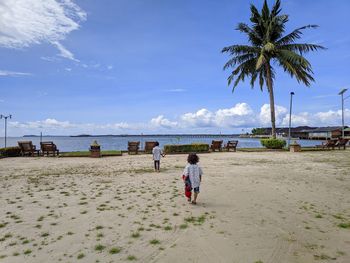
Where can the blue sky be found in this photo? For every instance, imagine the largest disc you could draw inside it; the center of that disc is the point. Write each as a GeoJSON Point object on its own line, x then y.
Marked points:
{"type": "Point", "coordinates": [114, 66]}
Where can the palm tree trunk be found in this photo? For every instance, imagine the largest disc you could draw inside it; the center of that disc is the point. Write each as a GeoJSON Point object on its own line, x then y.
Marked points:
{"type": "Point", "coordinates": [272, 99]}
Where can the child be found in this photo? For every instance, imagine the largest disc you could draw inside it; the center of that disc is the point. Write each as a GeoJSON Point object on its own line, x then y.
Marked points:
{"type": "Point", "coordinates": [192, 177]}
{"type": "Point", "coordinates": [157, 153]}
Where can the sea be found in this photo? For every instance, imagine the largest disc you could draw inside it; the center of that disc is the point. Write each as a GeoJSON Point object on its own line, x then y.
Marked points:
{"type": "Point", "coordinates": [69, 144]}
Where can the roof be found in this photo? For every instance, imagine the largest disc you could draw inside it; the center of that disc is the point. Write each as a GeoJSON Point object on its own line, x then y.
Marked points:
{"type": "Point", "coordinates": [325, 129]}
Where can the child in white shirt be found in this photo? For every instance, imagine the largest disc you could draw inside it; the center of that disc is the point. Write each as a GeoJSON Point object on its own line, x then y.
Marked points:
{"type": "Point", "coordinates": [193, 173]}
{"type": "Point", "coordinates": [157, 153]}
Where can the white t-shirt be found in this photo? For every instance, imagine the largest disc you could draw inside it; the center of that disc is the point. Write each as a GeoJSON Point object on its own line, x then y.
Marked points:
{"type": "Point", "coordinates": [157, 152]}
{"type": "Point", "coordinates": [194, 172]}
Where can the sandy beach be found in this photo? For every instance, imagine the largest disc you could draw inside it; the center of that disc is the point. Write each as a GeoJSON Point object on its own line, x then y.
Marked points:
{"type": "Point", "coordinates": [253, 207]}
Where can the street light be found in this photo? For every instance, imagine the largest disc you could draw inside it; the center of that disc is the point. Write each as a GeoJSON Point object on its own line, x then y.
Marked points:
{"type": "Point", "coordinates": [290, 116]}
{"type": "Point", "coordinates": [341, 93]}
{"type": "Point", "coordinates": [5, 117]}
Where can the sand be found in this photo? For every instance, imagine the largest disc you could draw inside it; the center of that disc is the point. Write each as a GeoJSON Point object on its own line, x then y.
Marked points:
{"type": "Point", "coordinates": [253, 207]}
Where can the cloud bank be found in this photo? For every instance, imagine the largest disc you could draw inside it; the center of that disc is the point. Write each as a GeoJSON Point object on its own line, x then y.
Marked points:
{"type": "Point", "coordinates": [240, 116]}
{"type": "Point", "coordinates": [24, 23]}
{"type": "Point", "coordinates": [13, 73]}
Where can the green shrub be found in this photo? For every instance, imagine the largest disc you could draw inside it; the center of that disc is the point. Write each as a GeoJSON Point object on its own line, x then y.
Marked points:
{"type": "Point", "coordinates": [186, 148]}
{"type": "Point", "coordinates": [10, 151]}
{"type": "Point", "coordinates": [273, 143]}
{"type": "Point", "coordinates": [87, 153]}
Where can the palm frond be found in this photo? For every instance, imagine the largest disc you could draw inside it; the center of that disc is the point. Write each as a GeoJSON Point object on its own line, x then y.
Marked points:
{"type": "Point", "coordinates": [253, 37]}
{"type": "Point", "coordinates": [293, 57]}
{"type": "Point", "coordinates": [302, 48]}
{"type": "Point", "coordinates": [238, 60]}
{"type": "Point", "coordinates": [294, 35]}
{"type": "Point", "coordinates": [240, 50]}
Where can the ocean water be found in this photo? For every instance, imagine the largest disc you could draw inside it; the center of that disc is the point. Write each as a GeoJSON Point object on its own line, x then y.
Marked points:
{"type": "Point", "coordinates": [67, 144]}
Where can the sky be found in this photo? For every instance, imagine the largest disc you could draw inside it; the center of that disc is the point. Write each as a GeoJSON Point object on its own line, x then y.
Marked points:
{"type": "Point", "coordinates": [73, 67]}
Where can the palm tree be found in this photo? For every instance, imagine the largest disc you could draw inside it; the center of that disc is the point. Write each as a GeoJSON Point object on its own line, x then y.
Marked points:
{"type": "Point", "coordinates": [268, 44]}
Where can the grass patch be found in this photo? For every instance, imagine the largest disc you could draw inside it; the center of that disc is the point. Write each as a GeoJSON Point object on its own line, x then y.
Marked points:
{"type": "Point", "coordinates": [135, 235]}
{"type": "Point", "coordinates": [131, 258]}
{"type": "Point", "coordinates": [183, 226]}
{"type": "Point", "coordinates": [323, 257]}
{"type": "Point", "coordinates": [80, 256]}
{"type": "Point", "coordinates": [27, 252]}
{"type": "Point", "coordinates": [344, 225]}
{"type": "Point", "coordinates": [195, 220]}
{"type": "Point", "coordinates": [154, 242]}
{"type": "Point", "coordinates": [114, 250]}
{"type": "Point", "coordinates": [99, 247]}
{"type": "Point", "coordinates": [318, 216]}
{"type": "Point", "coordinates": [168, 228]}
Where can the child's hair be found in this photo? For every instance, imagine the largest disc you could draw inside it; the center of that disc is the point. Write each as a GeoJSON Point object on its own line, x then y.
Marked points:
{"type": "Point", "coordinates": [156, 144]}
{"type": "Point", "coordinates": [192, 158]}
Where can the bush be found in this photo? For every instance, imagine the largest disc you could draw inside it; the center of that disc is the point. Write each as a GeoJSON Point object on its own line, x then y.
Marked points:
{"type": "Point", "coordinates": [10, 151]}
{"type": "Point", "coordinates": [87, 154]}
{"type": "Point", "coordinates": [186, 148]}
{"type": "Point", "coordinates": [273, 143]}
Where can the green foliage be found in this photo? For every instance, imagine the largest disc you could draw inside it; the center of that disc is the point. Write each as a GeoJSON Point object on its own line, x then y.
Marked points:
{"type": "Point", "coordinates": [258, 131]}
{"type": "Point", "coordinates": [87, 154]}
{"type": "Point", "coordinates": [186, 148]}
{"type": "Point", "coordinates": [10, 151]}
{"type": "Point", "coordinates": [273, 143]}
{"type": "Point", "coordinates": [269, 45]}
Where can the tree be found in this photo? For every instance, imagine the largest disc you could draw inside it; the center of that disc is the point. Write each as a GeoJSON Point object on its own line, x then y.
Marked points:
{"type": "Point", "coordinates": [258, 131]}
{"type": "Point", "coordinates": [269, 44]}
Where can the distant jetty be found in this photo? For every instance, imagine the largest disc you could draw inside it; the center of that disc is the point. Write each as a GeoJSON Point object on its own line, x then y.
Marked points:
{"type": "Point", "coordinates": [162, 135]}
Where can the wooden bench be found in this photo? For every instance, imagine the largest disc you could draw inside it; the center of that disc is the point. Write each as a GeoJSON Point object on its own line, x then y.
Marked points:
{"type": "Point", "coordinates": [231, 145]}
{"type": "Point", "coordinates": [216, 145]}
{"type": "Point", "coordinates": [149, 146]}
{"type": "Point", "coordinates": [133, 147]}
{"type": "Point", "coordinates": [27, 148]}
{"type": "Point", "coordinates": [49, 148]}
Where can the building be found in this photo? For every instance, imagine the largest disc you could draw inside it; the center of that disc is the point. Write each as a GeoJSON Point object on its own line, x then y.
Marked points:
{"type": "Point", "coordinates": [323, 133]}
{"type": "Point", "coordinates": [296, 132]}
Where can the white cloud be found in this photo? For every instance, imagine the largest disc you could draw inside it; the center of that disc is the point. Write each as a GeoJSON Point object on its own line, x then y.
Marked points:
{"type": "Point", "coordinates": [265, 114]}
{"type": "Point", "coordinates": [24, 23]}
{"type": "Point", "coordinates": [13, 73]}
{"type": "Point", "coordinates": [239, 116]}
{"type": "Point", "coordinates": [162, 122]}
{"type": "Point", "coordinates": [109, 67]}
{"type": "Point", "coordinates": [65, 53]}
{"type": "Point", "coordinates": [45, 124]}
{"type": "Point", "coordinates": [201, 118]}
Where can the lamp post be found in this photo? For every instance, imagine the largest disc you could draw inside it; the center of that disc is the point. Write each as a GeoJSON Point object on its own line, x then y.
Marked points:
{"type": "Point", "coordinates": [5, 117]}
{"type": "Point", "coordinates": [290, 116]}
{"type": "Point", "coordinates": [341, 93]}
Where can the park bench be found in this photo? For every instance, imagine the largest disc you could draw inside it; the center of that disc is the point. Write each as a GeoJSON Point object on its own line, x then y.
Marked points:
{"type": "Point", "coordinates": [149, 146]}
{"type": "Point", "coordinates": [133, 147]}
{"type": "Point", "coordinates": [27, 148]}
{"type": "Point", "coordinates": [216, 146]}
{"type": "Point", "coordinates": [231, 145]}
{"type": "Point", "coordinates": [49, 148]}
